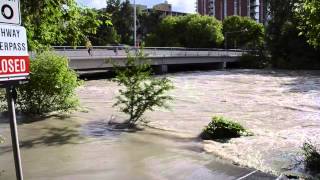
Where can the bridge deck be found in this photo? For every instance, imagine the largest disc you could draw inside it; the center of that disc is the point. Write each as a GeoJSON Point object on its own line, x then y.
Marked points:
{"type": "Point", "coordinates": [100, 58]}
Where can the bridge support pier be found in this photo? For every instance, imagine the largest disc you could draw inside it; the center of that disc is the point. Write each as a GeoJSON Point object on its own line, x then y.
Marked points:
{"type": "Point", "coordinates": [162, 69]}
{"type": "Point", "coordinates": [223, 65]}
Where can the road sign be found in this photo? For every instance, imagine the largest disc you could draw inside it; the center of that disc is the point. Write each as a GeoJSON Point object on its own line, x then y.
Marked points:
{"type": "Point", "coordinates": [10, 12]}
{"type": "Point", "coordinates": [14, 57]}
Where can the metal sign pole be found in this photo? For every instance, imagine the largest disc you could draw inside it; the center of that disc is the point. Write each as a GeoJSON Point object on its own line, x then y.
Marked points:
{"type": "Point", "coordinates": [11, 93]}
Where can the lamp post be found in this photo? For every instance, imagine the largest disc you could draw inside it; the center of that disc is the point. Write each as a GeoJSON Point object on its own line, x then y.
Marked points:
{"type": "Point", "coordinates": [135, 23]}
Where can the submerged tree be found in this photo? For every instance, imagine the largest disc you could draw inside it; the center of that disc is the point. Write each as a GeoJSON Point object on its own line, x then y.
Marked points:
{"type": "Point", "coordinates": [140, 91]}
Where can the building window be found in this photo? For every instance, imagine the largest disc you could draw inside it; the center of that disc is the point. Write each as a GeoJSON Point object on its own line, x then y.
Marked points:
{"type": "Point", "coordinates": [212, 8]}
{"type": "Point", "coordinates": [225, 8]}
{"type": "Point", "coordinates": [235, 4]}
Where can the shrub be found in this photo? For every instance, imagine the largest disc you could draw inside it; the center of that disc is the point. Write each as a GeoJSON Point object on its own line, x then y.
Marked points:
{"type": "Point", "coordinates": [311, 157]}
{"type": "Point", "coordinates": [51, 87]}
{"type": "Point", "coordinates": [243, 32]}
{"type": "Point", "coordinates": [222, 128]}
{"type": "Point", "coordinates": [141, 91]}
{"type": "Point", "coordinates": [1, 139]}
{"type": "Point", "coordinates": [192, 31]}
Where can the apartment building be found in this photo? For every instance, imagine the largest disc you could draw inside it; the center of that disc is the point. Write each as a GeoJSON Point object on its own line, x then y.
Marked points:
{"type": "Point", "coordinates": [256, 9]}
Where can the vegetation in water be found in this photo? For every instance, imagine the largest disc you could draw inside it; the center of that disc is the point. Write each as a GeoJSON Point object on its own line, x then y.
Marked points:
{"type": "Point", "coordinates": [311, 158]}
{"type": "Point", "coordinates": [222, 128]}
{"type": "Point", "coordinates": [140, 90]}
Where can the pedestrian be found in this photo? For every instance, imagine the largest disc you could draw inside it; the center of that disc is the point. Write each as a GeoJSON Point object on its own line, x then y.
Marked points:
{"type": "Point", "coordinates": [116, 51]}
{"type": "Point", "coordinates": [89, 47]}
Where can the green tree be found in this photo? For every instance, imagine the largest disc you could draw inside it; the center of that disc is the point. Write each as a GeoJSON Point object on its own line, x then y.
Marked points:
{"type": "Point", "coordinates": [148, 22]}
{"type": "Point", "coordinates": [122, 19]}
{"type": "Point", "coordinates": [287, 48]}
{"type": "Point", "coordinates": [140, 91]}
{"type": "Point", "coordinates": [188, 31]}
{"type": "Point", "coordinates": [166, 34]}
{"type": "Point", "coordinates": [51, 87]}
{"type": "Point", "coordinates": [57, 22]}
{"type": "Point", "coordinates": [308, 13]}
{"type": "Point", "coordinates": [106, 32]}
{"type": "Point", "coordinates": [81, 24]}
{"type": "Point", "coordinates": [203, 32]}
{"type": "Point", "coordinates": [243, 32]}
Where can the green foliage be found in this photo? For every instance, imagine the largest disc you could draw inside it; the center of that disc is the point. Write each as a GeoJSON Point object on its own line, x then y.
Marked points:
{"type": "Point", "coordinates": [81, 23]}
{"type": "Point", "coordinates": [106, 32]}
{"type": "Point", "coordinates": [311, 157]}
{"type": "Point", "coordinates": [222, 128]}
{"type": "Point", "coordinates": [122, 19]}
{"type": "Point", "coordinates": [188, 31]}
{"type": "Point", "coordinates": [243, 32]}
{"type": "Point", "coordinates": [51, 87]}
{"type": "Point", "coordinates": [140, 91]}
{"type": "Point", "coordinates": [148, 22]}
{"type": "Point", "coordinates": [203, 32]}
{"type": "Point", "coordinates": [308, 13]}
{"type": "Point", "coordinates": [57, 22]}
{"type": "Point", "coordinates": [287, 48]}
{"type": "Point", "coordinates": [1, 139]}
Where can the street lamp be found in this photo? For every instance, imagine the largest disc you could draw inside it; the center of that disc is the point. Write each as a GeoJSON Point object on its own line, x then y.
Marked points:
{"type": "Point", "coordinates": [231, 32]}
{"type": "Point", "coordinates": [135, 23]}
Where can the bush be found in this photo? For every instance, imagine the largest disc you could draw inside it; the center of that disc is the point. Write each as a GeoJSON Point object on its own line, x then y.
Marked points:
{"type": "Point", "coordinates": [51, 87]}
{"type": "Point", "coordinates": [243, 32]}
{"type": "Point", "coordinates": [222, 128]}
{"type": "Point", "coordinates": [1, 139]}
{"type": "Point", "coordinates": [311, 157]}
{"type": "Point", "coordinates": [192, 31]}
{"type": "Point", "coordinates": [141, 91]}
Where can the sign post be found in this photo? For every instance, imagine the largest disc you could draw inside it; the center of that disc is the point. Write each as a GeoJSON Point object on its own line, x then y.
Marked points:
{"type": "Point", "coordinates": [14, 65]}
{"type": "Point", "coordinates": [11, 93]}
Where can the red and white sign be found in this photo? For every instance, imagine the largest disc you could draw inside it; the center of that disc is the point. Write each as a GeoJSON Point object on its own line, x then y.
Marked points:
{"type": "Point", "coordinates": [14, 57]}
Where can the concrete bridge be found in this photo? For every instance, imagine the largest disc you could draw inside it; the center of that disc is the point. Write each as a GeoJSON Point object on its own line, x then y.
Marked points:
{"type": "Point", "coordinates": [161, 58]}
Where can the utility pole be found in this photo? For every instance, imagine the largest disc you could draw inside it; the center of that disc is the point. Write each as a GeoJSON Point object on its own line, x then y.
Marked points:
{"type": "Point", "coordinates": [135, 23]}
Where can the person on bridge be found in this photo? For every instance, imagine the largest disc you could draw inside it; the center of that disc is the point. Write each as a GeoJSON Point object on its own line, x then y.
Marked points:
{"type": "Point", "coordinates": [89, 47]}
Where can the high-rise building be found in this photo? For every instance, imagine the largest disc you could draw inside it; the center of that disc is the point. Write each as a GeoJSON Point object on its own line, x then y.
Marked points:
{"type": "Point", "coordinates": [163, 7]}
{"type": "Point", "coordinates": [256, 9]}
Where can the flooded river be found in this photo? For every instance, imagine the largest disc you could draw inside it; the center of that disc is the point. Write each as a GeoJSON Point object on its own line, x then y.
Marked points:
{"type": "Point", "coordinates": [280, 107]}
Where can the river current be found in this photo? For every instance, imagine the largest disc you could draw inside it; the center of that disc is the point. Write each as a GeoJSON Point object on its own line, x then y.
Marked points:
{"type": "Point", "coordinates": [281, 108]}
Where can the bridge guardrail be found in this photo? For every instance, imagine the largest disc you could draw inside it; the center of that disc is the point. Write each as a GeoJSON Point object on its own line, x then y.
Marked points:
{"type": "Point", "coordinates": [120, 51]}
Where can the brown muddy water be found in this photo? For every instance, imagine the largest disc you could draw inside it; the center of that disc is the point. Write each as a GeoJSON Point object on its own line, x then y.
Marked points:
{"type": "Point", "coordinates": [280, 107]}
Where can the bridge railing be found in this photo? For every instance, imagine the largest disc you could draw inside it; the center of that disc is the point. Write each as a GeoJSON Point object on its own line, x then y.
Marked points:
{"type": "Point", "coordinates": [121, 51]}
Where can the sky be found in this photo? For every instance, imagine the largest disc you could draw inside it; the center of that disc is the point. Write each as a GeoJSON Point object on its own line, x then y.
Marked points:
{"type": "Point", "coordinates": [177, 5]}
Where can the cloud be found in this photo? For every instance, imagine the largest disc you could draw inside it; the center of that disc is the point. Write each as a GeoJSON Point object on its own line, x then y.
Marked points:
{"type": "Point", "coordinates": [93, 3]}
{"type": "Point", "coordinates": [183, 5]}
{"type": "Point", "coordinates": [178, 5]}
